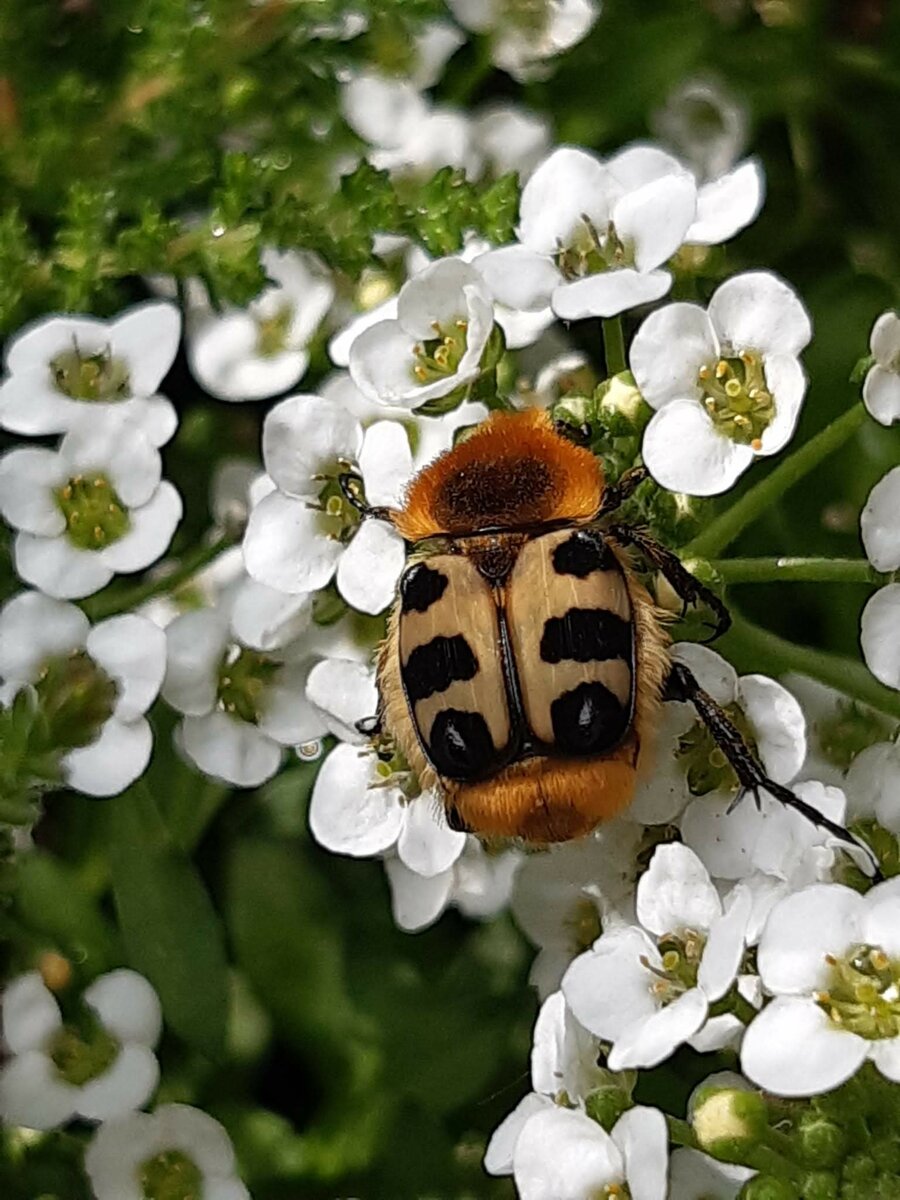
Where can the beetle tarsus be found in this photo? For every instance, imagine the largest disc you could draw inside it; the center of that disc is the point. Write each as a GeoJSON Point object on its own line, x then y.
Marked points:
{"type": "Point", "coordinates": [615, 494]}
{"type": "Point", "coordinates": [351, 485]}
{"type": "Point", "coordinates": [682, 685]}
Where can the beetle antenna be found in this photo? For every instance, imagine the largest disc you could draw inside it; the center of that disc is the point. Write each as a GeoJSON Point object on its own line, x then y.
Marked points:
{"type": "Point", "coordinates": [351, 485]}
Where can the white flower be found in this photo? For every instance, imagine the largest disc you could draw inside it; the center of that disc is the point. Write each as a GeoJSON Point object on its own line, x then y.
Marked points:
{"type": "Point", "coordinates": [99, 1069]}
{"type": "Point", "coordinates": [95, 507]}
{"type": "Point", "coordinates": [873, 785]}
{"type": "Point", "coordinates": [175, 1150]}
{"type": "Point", "coordinates": [242, 705]}
{"type": "Point", "coordinates": [880, 523]}
{"type": "Point", "coordinates": [408, 135]}
{"type": "Point", "coordinates": [64, 369]}
{"type": "Point", "coordinates": [688, 762]}
{"type": "Point", "coordinates": [881, 387]}
{"type": "Point", "coordinates": [831, 959]}
{"type": "Point", "coordinates": [478, 883]}
{"type": "Point", "coordinates": [704, 125]}
{"type": "Point", "coordinates": [561, 896]}
{"type": "Point", "coordinates": [306, 532]}
{"type": "Point", "coordinates": [257, 352]}
{"type": "Point", "coordinates": [561, 1154]}
{"type": "Point", "coordinates": [593, 235]}
{"type": "Point", "coordinates": [522, 42]}
{"type": "Point", "coordinates": [435, 346]}
{"type": "Point", "coordinates": [433, 45]}
{"type": "Point", "coordinates": [647, 1000]}
{"type": "Point", "coordinates": [110, 675]}
{"type": "Point", "coordinates": [880, 635]}
{"type": "Point", "coordinates": [512, 138]}
{"type": "Point", "coordinates": [726, 383]}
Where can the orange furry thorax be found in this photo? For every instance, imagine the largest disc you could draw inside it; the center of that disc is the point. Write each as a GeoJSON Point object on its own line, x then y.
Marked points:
{"type": "Point", "coordinates": [513, 470]}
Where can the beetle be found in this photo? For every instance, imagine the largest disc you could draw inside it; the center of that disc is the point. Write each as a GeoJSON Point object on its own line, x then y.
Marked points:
{"type": "Point", "coordinates": [525, 664]}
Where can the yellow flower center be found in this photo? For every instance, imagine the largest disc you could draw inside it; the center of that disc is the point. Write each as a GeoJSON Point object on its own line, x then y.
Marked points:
{"type": "Point", "coordinates": [171, 1175]}
{"type": "Point", "coordinates": [704, 763]}
{"type": "Point", "coordinates": [590, 252]}
{"type": "Point", "coordinates": [736, 395]}
{"type": "Point", "coordinates": [681, 954]}
{"type": "Point", "coordinates": [76, 698]}
{"type": "Point", "coordinates": [863, 993]}
{"type": "Point", "coordinates": [272, 331]}
{"type": "Point", "coordinates": [439, 357]}
{"type": "Point", "coordinates": [95, 516]}
{"type": "Point", "coordinates": [85, 1053]}
{"type": "Point", "coordinates": [243, 677]}
{"type": "Point", "coordinates": [96, 376]}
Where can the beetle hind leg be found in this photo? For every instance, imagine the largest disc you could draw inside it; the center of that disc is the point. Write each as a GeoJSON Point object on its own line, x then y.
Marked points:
{"type": "Point", "coordinates": [682, 685]}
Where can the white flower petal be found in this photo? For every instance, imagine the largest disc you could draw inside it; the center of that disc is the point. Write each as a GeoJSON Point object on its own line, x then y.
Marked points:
{"type": "Point", "coordinates": [669, 349]}
{"type": "Point", "coordinates": [31, 405]}
{"type": "Point", "coordinates": [198, 1135]}
{"type": "Point", "coordinates": [881, 920]}
{"type": "Point", "coordinates": [562, 1154]}
{"type": "Point", "coordinates": [728, 204]}
{"type": "Point", "coordinates": [288, 717]}
{"type": "Point", "coordinates": [684, 452]}
{"type": "Point", "coordinates": [146, 337]}
{"type": "Point", "coordinates": [675, 893]}
{"type": "Point", "coordinates": [132, 650]}
{"type": "Point", "coordinates": [787, 383]}
{"type": "Point", "coordinates": [567, 186]}
{"type": "Point", "coordinates": [339, 346]}
{"type": "Point", "coordinates": [127, 1084]}
{"type": "Point", "coordinates": [498, 1158]}
{"type": "Point", "coordinates": [369, 568]}
{"type": "Point", "coordinates": [881, 394]}
{"type": "Point", "coordinates": [33, 1095]}
{"type": "Point", "coordinates": [305, 436]}
{"type": "Point", "coordinates": [58, 568]}
{"type": "Point", "coordinates": [152, 528]}
{"type": "Point", "coordinates": [285, 547]}
{"type": "Point", "coordinates": [34, 628]}
{"type": "Point", "coordinates": [416, 900]}
{"type": "Point", "coordinates": [224, 747]}
{"type": "Point", "coordinates": [696, 1176]}
{"type": "Point", "coordinates": [28, 479]}
{"type": "Point", "coordinates": [649, 1042]}
{"type": "Point", "coordinates": [382, 111]}
{"type": "Point", "coordinates": [30, 1013]}
{"type": "Point", "coordinates": [519, 277]}
{"type": "Point", "coordinates": [884, 340]}
{"type": "Point", "coordinates": [385, 462]}
{"type": "Point", "coordinates": [802, 930]}
{"type": "Point", "coordinates": [344, 692]}
{"type": "Point", "coordinates": [117, 449]}
{"type": "Point", "coordinates": [641, 163]}
{"type": "Point", "coordinates": [718, 1033]}
{"type": "Point", "coordinates": [793, 1049]}
{"type": "Point", "coordinates": [642, 1136]}
{"type": "Point", "coordinates": [778, 724]}
{"type": "Point", "coordinates": [724, 947]}
{"type": "Point", "coordinates": [880, 634]}
{"type": "Point", "coordinates": [347, 814]}
{"type": "Point", "coordinates": [607, 987]}
{"type": "Point", "coordinates": [113, 762]}
{"type": "Point", "coordinates": [40, 342]}
{"type": "Point", "coordinates": [437, 294]}
{"type": "Point", "coordinates": [886, 1057]}
{"type": "Point", "coordinates": [758, 311]}
{"type": "Point", "coordinates": [128, 1006]}
{"type": "Point", "coordinates": [655, 217]}
{"type": "Point", "coordinates": [609, 293]}
{"type": "Point", "coordinates": [382, 358]}
{"type": "Point", "coordinates": [880, 523]}
{"type": "Point", "coordinates": [714, 673]}
{"type": "Point", "coordinates": [266, 619]}
{"type": "Point", "coordinates": [196, 644]}
{"type": "Point", "coordinates": [427, 845]}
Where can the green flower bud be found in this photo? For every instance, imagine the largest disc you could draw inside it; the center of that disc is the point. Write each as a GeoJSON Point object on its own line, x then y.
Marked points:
{"type": "Point", "coordinates": [726, 1121]}
{"type": "Point", "coordinates": [767, 1187]}
{"type": "Point", "coordinates": [860, 1171]}
{"type": "Point", "coordinates": [820, 1185]}
{"type": "Point", "coordinates": [886, 1153]}
{"type": "Point", "coordinates": [606, 1105]}
{"type": "Point", "coordinates": [621, 404]}
{"type": "Point", "coordinates": [820, 1143]}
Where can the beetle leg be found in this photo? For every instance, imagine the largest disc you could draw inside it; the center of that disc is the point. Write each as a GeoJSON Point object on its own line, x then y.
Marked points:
{"type": "Point", "coordinates": [369, 727]}
{"type": "Point", "coordinates": [615, 494]}
{"type": "Point", "coordinates": [687, 587]}
{"type": "Point", "coordinates": [351, 485]}
{"type": "Point", "coordinates": [682, 685]}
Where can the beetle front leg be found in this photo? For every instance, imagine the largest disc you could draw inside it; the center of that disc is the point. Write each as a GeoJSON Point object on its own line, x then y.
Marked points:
{"type": "Point", "coordinates": [689, 589]}
{"type": "Point", "coordinates": [682, 685]}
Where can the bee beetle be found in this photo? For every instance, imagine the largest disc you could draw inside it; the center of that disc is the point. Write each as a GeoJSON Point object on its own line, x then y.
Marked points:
{"type": "Point", "coordinates": [525, 663]}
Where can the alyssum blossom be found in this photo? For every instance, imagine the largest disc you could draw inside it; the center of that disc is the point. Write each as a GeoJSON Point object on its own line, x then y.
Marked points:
{"type": "Point", "coordinates": [175, 1151]}
{"type": "Point", "coordinates": [98, 1066]}
{"type": "Point", "coordinates": [880, 631]}
{"type": "Point", "coordinates": [63, 369]}
{"type": "Point", "coordinates": [881, 387]}
{"type": "Point", "coordinates": [726, 383]}
{"type": "Point", "coordinates": [524, 38]}
{"type": "Point", "coordinates": [95, 684]}
{"type": "Point", "coordinates": [306, 531]}
{"type": "Point", "coordinates": [831, 959]}
{"type": "Point", "coordinates": [93, 508]}
{"type": "Point", "coordinates": [594, 235]}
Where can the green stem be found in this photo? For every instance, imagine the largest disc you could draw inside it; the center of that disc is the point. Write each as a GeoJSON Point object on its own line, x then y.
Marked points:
{"type": "Point", "coordinates": [725, 528]}
{"type": "Point", "coordinates": [614, 345]}
{"type": "Point", "coordinates": [471, 79]}
{"type": "Point", "coordinates": [753, 649]}
{"type": "Point", "coordinates": [797, 570]}
{"type": "Point", "coordinates": [109, 604]}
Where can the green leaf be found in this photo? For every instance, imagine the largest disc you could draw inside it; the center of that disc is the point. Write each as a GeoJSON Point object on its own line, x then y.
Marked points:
{"type": "Point", "coordinates": [50, 901]}
{"type": "Point", "coordinates": [171, 931]}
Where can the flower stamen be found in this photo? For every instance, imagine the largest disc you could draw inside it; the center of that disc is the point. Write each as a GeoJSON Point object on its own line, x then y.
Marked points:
{"type": "Point", "coordinates": [737, 397]}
